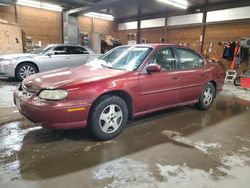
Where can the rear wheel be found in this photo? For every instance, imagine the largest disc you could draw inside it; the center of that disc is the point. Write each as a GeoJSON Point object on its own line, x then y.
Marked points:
{"type": "Point", "coordinates": [24, 70]}
{"type": "Point", "coordinates": [237, 81]}
{"type": "Point", "coordinates": [108, 117]}
{"type": "Point", "coordinates": [207, 96]}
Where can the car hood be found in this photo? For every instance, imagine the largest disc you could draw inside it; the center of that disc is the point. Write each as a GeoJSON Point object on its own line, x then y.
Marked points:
{"type": "Point", "coordinates": [16, 56]}
{"type": "Point", "coordinates": [61, 78]}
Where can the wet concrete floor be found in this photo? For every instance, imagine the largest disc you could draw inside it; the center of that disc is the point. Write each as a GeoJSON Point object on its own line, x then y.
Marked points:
{"type": "Point", "coordinates": [181, 147]}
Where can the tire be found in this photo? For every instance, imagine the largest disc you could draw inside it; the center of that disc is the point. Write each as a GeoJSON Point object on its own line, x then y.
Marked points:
{"type": "Point", "coordinates": [237, 81]}
{"type": "Point", "coordinates": [207, 97]}
{"type": "Point", "coordinates": [24, 70]}
{"type": "Point", "coordinates": [108, 117]}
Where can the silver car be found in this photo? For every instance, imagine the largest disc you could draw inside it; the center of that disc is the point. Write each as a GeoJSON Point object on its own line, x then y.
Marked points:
{"type": "Point", "coordinates": [52, 57]}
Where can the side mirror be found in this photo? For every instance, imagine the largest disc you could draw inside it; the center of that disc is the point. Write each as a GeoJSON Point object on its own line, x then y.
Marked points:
{"type": "Point", "coordinates": [153, 68]}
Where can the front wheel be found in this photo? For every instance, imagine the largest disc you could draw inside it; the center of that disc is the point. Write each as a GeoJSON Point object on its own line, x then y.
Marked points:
{"type": "Point", "coordinates": [207, 96]}
{"type": "Point", "coordinates": [108, 117]}
{"type": "Point", "coordinates": [24, 70]}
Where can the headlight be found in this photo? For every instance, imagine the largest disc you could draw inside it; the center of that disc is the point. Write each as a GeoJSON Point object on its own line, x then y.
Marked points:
{"type": "Point", "coordinates": [6, 62]}
{"type": "Point", "coordinates": [53, 94]}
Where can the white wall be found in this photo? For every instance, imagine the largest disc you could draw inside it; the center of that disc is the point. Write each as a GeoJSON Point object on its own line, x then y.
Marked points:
{"type": "Point", "coordinates": [151, 23]}
{"type": "Point", "coordinates": [229, 14]}
{"type": "Point", "coordinates": [158, 22]}
{"type": "Point", "coordinates": [127, 26]}
{"type": "Point", "coordinates": [185, 19]}
{"type": "Point", "coordinates": [212, 16]}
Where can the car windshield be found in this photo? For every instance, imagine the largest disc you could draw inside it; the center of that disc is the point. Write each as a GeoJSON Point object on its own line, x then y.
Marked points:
{"type": "Point", "coordinates": [125, 58]}
{"type": "Point", "coordinates": [42, 51]}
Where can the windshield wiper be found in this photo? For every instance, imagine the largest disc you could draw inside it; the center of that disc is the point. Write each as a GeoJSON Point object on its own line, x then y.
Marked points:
{"type": "Point", "coordinates": [106, 66]}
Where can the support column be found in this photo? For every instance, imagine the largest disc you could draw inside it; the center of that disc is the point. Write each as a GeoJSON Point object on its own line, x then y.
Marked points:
{"type": "Point", "coordinates": [138, 36]}
{"type": "Point", "coordinates": [203, 31]}
{"type": "Point", "coordinates": [165, 30]}
{"type": "Point", "coordinates": [70, 29]}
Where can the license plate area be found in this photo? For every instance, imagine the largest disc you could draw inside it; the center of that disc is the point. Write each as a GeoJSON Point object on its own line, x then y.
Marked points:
{"type": "Point", "coordinates": [18, 103]}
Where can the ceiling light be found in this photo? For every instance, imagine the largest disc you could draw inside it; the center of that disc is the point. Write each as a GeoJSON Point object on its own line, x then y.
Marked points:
{"type": "Point", "coordinates": [99, 15]}
{"type": "Point", "coordinates": [183, 4]}
{"type": "Point", "coordinates": [40, 4]}
{"type": "Point", "coordinates": [2, 4]}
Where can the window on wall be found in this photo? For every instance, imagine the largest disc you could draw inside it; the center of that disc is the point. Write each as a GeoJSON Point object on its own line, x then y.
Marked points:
{"type": "Point", "coordinates": [188, 59]}
{"type": "Point", "coordinates": [165, 58]}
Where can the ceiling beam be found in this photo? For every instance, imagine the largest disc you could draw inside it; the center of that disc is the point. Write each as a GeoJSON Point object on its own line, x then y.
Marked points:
{"type": "Point", "coordinates": [94, 7]}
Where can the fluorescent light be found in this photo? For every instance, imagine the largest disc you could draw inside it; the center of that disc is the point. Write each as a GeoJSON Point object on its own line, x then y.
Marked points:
{"type": "Point", "coordinates": [2, 4]}
{"type": "Point", "coordinates": [40, 4]}
{"type": "Point", "coordinates": [99, 15]}
{"type": "Point", "coordinates": [183, 4]}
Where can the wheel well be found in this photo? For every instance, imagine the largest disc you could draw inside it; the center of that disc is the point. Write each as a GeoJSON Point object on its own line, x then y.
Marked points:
{"type": "Point", "coordinates": [124, 95]}
{"type": "Point", "coordinates": [29, 62]}
{"type": "Point", "coordinates": [214, 83]}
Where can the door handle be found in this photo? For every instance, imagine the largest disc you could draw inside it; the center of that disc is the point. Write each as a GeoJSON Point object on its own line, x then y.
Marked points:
{"type": "Point", "coordinates": [175, 78]}
{"type": "Point", "coordinates": [203, 75]}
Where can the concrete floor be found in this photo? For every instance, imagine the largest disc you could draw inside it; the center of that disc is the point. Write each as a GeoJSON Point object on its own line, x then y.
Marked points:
{"type": "Point", "coordinates": [181, 147]}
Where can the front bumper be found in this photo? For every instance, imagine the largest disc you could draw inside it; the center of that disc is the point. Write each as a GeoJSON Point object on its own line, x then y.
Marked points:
{"type": "Point", "coordinates": [53, 114]}
{"type": "Point", "coordinates": [7, 70]}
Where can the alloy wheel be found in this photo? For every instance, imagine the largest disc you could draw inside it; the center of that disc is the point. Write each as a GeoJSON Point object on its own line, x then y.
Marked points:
{"type": "Point", "coordinates": [26, 71]}
{"type": "Point", "coordinates": [111, 118]}
{"type": "Point", "coordinates": [208, 97]}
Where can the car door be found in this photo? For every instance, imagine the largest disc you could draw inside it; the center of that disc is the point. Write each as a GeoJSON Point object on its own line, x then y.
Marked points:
{"type": "Point", "coordinates": [78, 55]}
{"type": "Point", "coordinates": [192, 74]}
{"type": "Point", "coordinates": [159, 89]}
{"type": "Point", "coordinates": [57, 58]}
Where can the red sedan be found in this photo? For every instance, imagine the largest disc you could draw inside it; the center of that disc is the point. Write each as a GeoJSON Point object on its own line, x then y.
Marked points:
{"type": "Point", "coordinates": [126, 82]}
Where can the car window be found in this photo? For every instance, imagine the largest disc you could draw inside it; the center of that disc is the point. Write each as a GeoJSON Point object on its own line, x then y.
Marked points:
{"type": "Point", "coordinates": [61, 50]}
{"type": "Point", "coordinates": [42, 51]}
{"type": "Point", "coordinates": [133, 59]}
{"type": "Point", "coordinates": [200, 60]}
{"type": "Point", "coordinates": [77, 50]}
{"type": "Point", "coordinates": [110, 56]}
{"type": "Point", "coordinates": [165, 58]}
{"type": "Point", "coordinates": [188, 59]}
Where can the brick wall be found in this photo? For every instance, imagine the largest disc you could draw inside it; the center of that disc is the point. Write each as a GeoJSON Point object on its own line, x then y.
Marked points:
{"type": "Point", "coordinates": [41, 25]}
{"type": "Point", "coordinates": [7, 13]}
{"type": "Point", "coordinates": [153, 35]}
{"type": "Point", "coordinates": [91, 25]}
{"type": "Point", "coordinates": [123, 35]}
{"type": "Point", "coordinates": [190, 36]}
{"type": "Point", "coordinates": [224, 33]}
{"type": "Point", "coordinates": [104, 26]}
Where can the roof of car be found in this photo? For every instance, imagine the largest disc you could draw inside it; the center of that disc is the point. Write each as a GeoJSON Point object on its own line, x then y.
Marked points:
{"type": "Point", "coordinates": [77, 45]}
{"type": "Point", "coordinates": [158, 45]}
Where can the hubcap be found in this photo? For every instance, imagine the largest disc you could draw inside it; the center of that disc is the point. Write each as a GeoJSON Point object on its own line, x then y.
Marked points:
{"type": "Point", "coordinates": [208, 96]}
{"type": "Point", "coordinates": [26, 71]}
{"type": "Point", "coordinates": [111, 118]}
